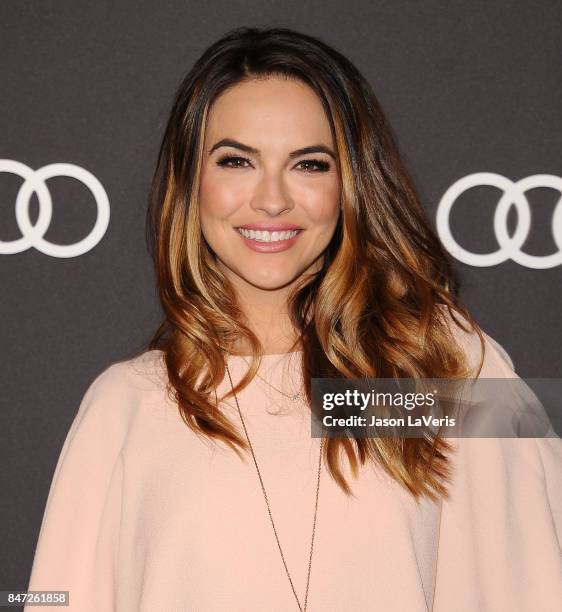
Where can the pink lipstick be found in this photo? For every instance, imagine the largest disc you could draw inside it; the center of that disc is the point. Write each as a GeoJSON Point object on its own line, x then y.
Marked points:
{"type": "Point", "coordinates": [265, 238]}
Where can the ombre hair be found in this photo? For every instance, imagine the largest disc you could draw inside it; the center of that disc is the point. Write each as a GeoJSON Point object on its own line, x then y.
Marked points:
{"type": "Point", "coordinates": [380, 306]}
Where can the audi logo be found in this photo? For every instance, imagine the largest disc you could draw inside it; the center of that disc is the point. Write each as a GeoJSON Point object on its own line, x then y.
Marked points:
{"type": "Point", "coordinates": [509, 246]}
{"type": "Point", "coordinates": [34, 182]}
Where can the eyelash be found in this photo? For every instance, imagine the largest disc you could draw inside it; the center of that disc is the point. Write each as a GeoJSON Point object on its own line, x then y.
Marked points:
{"type": "Point", "coordinates": [323, 166]}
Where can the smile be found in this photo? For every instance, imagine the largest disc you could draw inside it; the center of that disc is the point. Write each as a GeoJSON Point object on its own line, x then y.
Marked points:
{"type": "Point", "coordinates": [265, 236]}
{"type": "Point", "coordinates": [263, 241]}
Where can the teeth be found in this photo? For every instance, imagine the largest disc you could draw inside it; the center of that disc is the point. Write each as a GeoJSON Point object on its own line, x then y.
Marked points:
{"type": "Point", "coordinates": [265, 236]}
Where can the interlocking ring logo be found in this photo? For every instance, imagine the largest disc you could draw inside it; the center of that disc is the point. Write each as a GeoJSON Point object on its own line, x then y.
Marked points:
{"type": "Point", "coordinates": [513, 195]}
{"type": "Point", "coordinates": [34, 182]}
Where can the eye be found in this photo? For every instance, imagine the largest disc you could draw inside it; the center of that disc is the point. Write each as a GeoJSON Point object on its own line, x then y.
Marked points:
{"type": "Point", "coordinates": [310, 165]}
{"type": "Point", "coordinates": [232, 161]}
{"type": "Point", "coordinates": [319, 164]}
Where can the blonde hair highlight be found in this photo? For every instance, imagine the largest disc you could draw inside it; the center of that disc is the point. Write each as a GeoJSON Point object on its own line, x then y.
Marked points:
{"type": "Point", "coordinates": [379, 307]}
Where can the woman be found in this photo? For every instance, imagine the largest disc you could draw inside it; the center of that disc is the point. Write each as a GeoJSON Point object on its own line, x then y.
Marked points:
{"type": "Point", "coordinates": [289, 243]}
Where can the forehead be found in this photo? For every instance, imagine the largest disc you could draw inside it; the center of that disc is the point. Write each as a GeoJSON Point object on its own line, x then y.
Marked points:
{"type": "Point", "coordinates": [276, 107]}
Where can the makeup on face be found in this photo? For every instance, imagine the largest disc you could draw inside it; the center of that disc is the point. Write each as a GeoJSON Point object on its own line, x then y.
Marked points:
{"type": "Point", "coordinates": [269, 237]}
{"type": "Point", "coordinates": [270, 186]}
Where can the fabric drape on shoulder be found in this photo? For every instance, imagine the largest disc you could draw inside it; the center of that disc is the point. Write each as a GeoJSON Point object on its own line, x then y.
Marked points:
{"type": "Point", "coordinates": [78, 540]}
{"type": "Point", "coordinates": [500, 543]}
{"type": "Point", "coordinates": [500, 530]}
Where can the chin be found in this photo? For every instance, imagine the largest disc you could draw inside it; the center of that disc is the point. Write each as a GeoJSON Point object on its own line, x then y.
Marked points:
{"type": "Point", "coordinates": [269, 281]}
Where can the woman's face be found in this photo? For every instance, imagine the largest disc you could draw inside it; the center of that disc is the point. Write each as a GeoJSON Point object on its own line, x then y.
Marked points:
{"type": "Point", "coordinates": [256, 174]}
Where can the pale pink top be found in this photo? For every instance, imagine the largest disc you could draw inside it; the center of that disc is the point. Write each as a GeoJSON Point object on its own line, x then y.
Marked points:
{"type": "Point", "coordinates": [144, 516]}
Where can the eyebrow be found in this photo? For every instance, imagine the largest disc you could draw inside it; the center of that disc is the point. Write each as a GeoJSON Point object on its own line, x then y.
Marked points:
{"type": "Point", "coordinates": [229, 142]}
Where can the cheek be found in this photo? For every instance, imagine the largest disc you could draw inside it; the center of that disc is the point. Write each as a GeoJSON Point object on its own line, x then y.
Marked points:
{"type": "Point", "coordinates": [324, 204]}
{"type": "Point", "coordinates": [218, 198]}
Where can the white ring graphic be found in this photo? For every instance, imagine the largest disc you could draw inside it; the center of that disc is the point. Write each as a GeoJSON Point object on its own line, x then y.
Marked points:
{"type": "Point", "coordinates": [34, 182]}
{"type": "Point", "coordinates": [513, 195]}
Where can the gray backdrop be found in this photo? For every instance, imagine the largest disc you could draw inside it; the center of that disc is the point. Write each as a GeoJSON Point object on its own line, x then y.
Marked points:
{"type": "Point", "coordinates": [470, 87]}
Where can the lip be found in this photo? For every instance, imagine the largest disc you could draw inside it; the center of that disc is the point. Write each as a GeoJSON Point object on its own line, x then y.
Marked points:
{"type": "Point", "coordinates": [269, 247]}
{"type": "Point", "coordinates": [270, 227]}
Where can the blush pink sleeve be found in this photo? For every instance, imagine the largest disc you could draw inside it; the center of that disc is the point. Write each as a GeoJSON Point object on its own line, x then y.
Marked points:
{"type": "Point", "coordinates": [78, 541]}
{"type": "Point", "coordinates": [501, 528]}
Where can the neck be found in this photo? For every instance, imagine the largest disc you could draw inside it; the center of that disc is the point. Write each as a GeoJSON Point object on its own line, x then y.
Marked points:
{"type": "Point", "coordinates": [267, 314]}
{"type": "Point", "coordinates": [268, 318]}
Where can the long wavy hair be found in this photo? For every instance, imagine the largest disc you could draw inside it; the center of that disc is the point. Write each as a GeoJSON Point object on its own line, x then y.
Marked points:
{"type": "Point", "coordinates": [377, 307]}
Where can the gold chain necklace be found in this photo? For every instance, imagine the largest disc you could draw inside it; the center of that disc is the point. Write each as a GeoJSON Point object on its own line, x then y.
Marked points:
{"type": "Point", "coordinates": [269, 508]}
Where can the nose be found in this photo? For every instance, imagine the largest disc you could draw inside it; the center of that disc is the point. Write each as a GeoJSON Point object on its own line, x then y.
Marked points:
{"type": "Point", "coordinates": [270, 195]}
